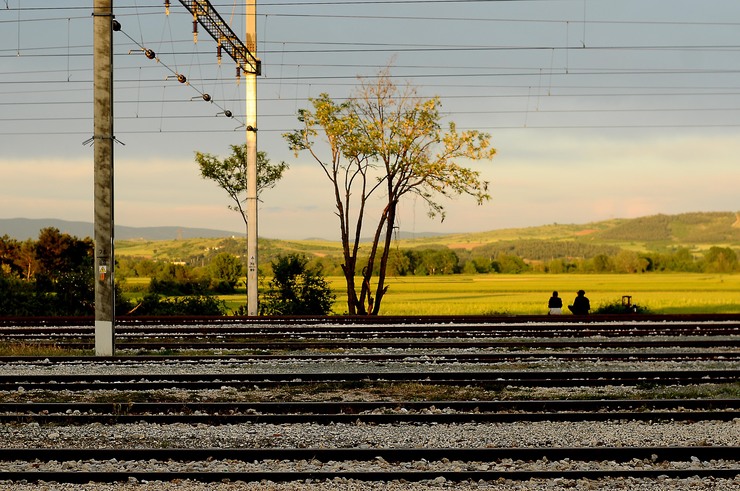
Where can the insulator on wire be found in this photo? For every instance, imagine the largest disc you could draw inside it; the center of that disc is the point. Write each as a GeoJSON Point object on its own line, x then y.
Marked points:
{"type": "Point", "coordinates": [195, 30]}
{"type": "Point", "coordinates": [218, 53]}
{"type": "Point", "coordinates": [116, 25]}
{"type": "Point", "coordinates": [238, 72]}
{"type": "Point", "coordinates": [207, 97]}
{"type": "Point", "coordinates": [166, 7]}
{"type": "Point", "coordinates": [181, 78]}
{"type": "Point", "coordinates": [150, 54]}
{"type": "Point", "coordinates": [227, 113]}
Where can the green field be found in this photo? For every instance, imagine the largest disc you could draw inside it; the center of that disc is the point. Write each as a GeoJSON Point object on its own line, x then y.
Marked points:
{"type": "Point", "coordinates": [525, 294]}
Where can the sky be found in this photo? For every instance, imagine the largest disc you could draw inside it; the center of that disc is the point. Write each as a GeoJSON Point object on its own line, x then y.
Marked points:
{"type": "Point", "coordinates": [598, 109]}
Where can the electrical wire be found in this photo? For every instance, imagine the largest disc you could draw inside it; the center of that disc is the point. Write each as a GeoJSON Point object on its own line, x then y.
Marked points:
{"type": "Point", "coordinates": [439, 76]}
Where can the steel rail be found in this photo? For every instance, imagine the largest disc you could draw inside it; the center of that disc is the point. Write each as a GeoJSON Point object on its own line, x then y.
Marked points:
{"type": "Point", "coordinates": [75, 416]}
{"type": "Point", "coordinates": [658, 455]}
{"type": "Point", "coordinates": [318, 332]}
{"type": "Point", "coordinates": [82, 477]}
{"type": "Point", "coordinates": [357, 407]}
{"type": "Point", "coordinates": [200, 381]}
{"type": "Point", "coordinates": [375, 320]}
{"type": "Point", "coordinates": [395, 454]}
{"type": "Point", "coordinates": [384, 344]}
{"type": "Point", "coordinates": [376, 419]}
{"type": "Point", "coordinates": [426, 357]}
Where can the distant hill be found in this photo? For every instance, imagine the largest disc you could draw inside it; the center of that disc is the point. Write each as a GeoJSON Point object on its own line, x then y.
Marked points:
{"type": "Point", "coordinates": [28, 228]}
{"type": "Point", "coordinates": [698, 230]}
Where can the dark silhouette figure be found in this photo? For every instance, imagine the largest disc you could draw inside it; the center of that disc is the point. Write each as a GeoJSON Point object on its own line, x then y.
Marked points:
{"type": "Point", "coordinates": [555, 304]}
{"type": "Point", "coordinates": [581, 305]}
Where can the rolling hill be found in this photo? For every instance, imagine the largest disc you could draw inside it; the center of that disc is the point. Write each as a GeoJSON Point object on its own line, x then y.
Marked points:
{"type": "Point", "coordinates": [697, 231]}
{"type": "Point", "coordinates": [28, 228]}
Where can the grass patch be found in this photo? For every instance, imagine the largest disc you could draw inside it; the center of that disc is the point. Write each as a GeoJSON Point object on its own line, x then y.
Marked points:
{"type": "Point", "coordinates": [385, 392]}
{"type": "Point", "coordinates": [426, 392]}
{"type": "Point", "coordinates": [709, 391]}
{"type": "Point", "coordinates": [38, 349]}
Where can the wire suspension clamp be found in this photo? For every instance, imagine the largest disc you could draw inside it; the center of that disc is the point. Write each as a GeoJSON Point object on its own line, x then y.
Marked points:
{"type": "Point", "coordinates": [92, 139]}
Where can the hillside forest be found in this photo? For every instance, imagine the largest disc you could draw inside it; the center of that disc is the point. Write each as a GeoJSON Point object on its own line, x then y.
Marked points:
{"type": "Point", "coordinates": [692, 242]}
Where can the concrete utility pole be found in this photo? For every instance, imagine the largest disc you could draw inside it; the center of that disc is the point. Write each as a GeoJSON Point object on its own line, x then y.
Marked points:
{"type": "Point", "coordinates": [251, 122]}
{"type": "Point", "coordinates": [103, 181]}
{"type": "Point", "coordinates": [247, 63]}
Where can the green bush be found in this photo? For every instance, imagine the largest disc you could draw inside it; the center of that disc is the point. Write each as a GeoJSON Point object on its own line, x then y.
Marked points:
{"type": "Point", "coordinates": [154, 304]}
{"type": "Point", "coordinates": [617, 307]}
{"type": "Point", "coordinates": [177, 280]}
{"type": "Point", "coordinates": [225, 270]}
{"type": "Point", "coordinates": [19, 298]}
{"type": "Point", "coordinates": [296, 289]}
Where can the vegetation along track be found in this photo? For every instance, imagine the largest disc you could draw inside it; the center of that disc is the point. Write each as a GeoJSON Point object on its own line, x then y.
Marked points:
{"type": "Point", "coordinates": [604, 401]}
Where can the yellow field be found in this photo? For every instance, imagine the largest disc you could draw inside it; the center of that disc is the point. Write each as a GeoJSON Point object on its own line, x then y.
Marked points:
{"type": "Point", "coordinates": [528, 293]}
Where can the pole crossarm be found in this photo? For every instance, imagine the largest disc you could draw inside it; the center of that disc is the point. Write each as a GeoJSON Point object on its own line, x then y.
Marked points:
{"type": "Point", "coordinates": [206, 15]}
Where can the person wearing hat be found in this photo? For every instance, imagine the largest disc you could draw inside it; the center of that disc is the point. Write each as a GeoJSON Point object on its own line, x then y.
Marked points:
{"type": "Point", "coordinates": [581, 304]}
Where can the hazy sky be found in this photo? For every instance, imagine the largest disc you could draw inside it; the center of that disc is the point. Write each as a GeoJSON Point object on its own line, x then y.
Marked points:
{"type": "Point", "coordinates": [598, 109]}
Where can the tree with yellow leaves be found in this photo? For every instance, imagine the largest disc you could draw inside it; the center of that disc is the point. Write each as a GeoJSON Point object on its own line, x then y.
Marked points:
{"type": "Point", "coordinates": [388, 142]}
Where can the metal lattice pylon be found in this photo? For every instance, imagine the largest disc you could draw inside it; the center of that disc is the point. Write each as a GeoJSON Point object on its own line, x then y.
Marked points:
{"type": "Point", "coordinates": [204, 13]}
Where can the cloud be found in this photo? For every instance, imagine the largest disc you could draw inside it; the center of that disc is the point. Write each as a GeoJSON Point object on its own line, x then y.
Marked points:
{"type": "Point", "coordinates": [544, 178]}
{"type": "Point", "coordinates": [40, 188]}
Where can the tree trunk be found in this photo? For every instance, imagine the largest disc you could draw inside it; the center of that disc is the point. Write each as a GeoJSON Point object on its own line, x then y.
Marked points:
{"type": "Point", "coordinates": [381, 289]}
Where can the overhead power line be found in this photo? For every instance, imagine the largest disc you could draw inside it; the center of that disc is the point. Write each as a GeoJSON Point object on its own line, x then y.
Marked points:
{"type": "Point", "coordinates": [521, 82]}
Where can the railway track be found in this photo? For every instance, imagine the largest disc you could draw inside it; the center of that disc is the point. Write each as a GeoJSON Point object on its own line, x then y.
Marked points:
{"type": "Point", "coordinates": [209, 381]}
{"type": "Point", "coordinates": [428, 412]}
{"type": "Point", "coordinates": [483, 464]}
{"type": "Point", "coordinates": [148, 416]}
{"type": "Point", "coordinates": [301, 335]}
{"type": "Point", "coordinates": [257, 332]}
{"type": "Point", "coordinates": [428, 357]}
{"type": "Point", "coordinates": [392, 320]}
{"type": "Point", "coordinates": [260, 333]}
{"type": "Point", "coordinates": [218, 344]}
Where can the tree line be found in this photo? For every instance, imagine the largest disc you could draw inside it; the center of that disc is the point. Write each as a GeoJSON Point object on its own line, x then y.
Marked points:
{"type": "Point", "coordinates": [515, 257]}
{"type": "Point", "coordinates": [53, 276]}
{"type": "Point", "coordinates": [455, 261]}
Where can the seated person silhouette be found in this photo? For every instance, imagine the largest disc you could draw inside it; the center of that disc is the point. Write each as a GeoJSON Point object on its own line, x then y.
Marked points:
{"type": "Point", "coordinates": [555, 305]}
{"type": "Point", "coordinates": [581, 304]}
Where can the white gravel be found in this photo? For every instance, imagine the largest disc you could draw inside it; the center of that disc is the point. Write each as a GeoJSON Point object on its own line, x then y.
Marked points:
{"type": "Point", "coordinates": [628, 484]}
{"type": "Point", "coordinates": [248, 366]}
{"type": "Point", "coordinates": [467, 435]}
